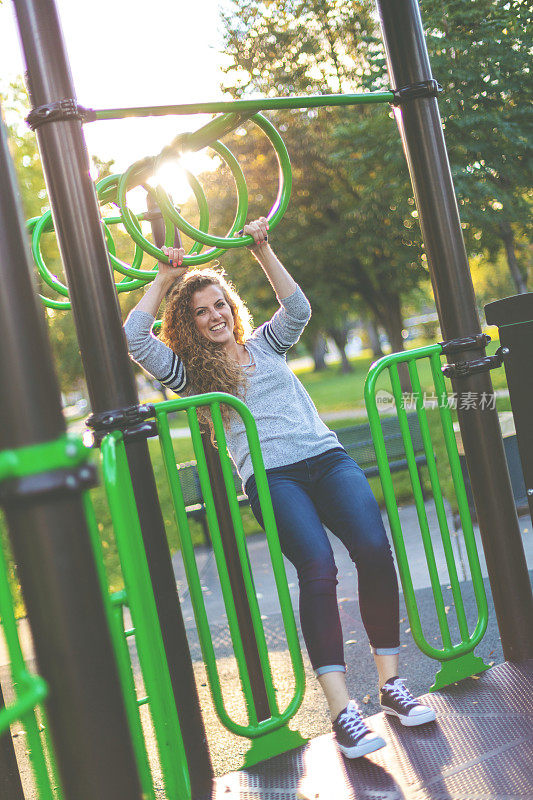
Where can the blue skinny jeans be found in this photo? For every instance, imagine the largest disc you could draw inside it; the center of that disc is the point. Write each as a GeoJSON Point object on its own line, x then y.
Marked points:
{"type": "Point", "coordinates": [331, 490]}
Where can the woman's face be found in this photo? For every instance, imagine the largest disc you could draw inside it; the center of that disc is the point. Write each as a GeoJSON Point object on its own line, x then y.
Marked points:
{"type": "Point", "coordinates": [212, 314]}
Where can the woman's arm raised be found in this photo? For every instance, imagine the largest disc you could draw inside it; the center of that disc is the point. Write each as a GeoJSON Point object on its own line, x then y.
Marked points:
{"type": "Point", "coordinates": [145, 348]}
{"type": "Point", "coordinates": [282, 282]}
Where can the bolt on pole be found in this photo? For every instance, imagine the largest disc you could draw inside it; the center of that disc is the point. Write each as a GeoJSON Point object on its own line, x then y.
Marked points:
{"type": "Point", "coordinates": [425, 150]}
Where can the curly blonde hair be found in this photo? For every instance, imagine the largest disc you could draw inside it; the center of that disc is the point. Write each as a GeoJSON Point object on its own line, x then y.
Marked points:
{"type": "Point", "coordinates": [209, 368]}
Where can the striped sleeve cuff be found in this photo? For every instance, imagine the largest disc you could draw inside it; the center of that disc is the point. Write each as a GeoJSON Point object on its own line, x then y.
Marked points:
{"type": "Point", "coordinates": [176, 378]}
{"type": "Point", "coordinates": [273, 340]}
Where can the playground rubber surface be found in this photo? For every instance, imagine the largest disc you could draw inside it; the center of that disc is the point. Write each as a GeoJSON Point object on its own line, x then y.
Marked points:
{"type": "Point", "coordinates": [479, 748]}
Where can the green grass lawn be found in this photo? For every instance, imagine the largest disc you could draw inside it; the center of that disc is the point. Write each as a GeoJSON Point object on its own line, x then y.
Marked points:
{"type": "Point", "coordinates": [331, 391]}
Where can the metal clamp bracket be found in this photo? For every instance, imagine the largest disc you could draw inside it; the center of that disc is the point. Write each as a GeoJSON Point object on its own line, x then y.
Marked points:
{"type": "Point", "coordinates": [414, 91]}
{"type": "Point", "coordinates": [45, 468]}
{"type": "Point", "coordinates": [59, 110]}
{"type": "Point", "coordinates": [133, 421]}
{"type": "Point", "coordinates": [462, 369]}
{"type": "Point", "coordinates": [479, 341]}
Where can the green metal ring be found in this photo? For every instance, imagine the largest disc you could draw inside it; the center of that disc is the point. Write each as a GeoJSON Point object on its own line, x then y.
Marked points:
{"type": "Point", "coordinates": [197, 233]}
{"type": "Point", "coordinates": [45, 223]}
{"type": "Point", "coordinates": [138, 171]}
{"type": "Point", "coordinates": [274, 215]}
{"type": "Point", "coordinates": [106, 190]}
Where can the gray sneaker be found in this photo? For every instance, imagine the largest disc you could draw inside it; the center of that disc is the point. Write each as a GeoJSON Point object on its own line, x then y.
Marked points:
{"type": "Point", "coordinates": [353, 737]}
{"type": "Point", "coordinates": [397, 700]}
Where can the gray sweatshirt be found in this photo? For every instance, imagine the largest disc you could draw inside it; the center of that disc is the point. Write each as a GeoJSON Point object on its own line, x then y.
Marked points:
{"type": "Point", "coordinates": [288, 424]}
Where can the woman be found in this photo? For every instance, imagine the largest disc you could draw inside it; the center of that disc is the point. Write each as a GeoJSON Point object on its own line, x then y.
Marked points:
{"type": "Point", "coordinates": [207, 345]}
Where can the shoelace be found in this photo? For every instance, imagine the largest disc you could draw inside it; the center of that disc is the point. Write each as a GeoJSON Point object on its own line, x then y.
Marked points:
{"type": "Point", "coordinates": [399, 692]}
{"type": "Point", "coordinates": [352, 721]}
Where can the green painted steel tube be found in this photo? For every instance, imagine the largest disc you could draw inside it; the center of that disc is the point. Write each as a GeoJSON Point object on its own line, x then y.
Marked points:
{"type": "Point", "coordinates": [254, 729]}
{"type": "Point", "coordinates": [130, 697]}
{"type": "Point", "coordinates": [30, 690]}
{"type": "Point", "coordinates": [441, 516]}
{"type": "Point", "coordinates": [139, 590]}
{"type": "Point", "coordinates": [137, 174]}
{"type": "Point", "coordinates": [420, 508]}
{"type": "Point", "coordinates": [229, 603]}
{"type": "Point", "coordinates": [243, 555]}
{"type": "Point", "coordinates": [468, 641]}
{"type": "Point", "coordinates": [260, 104]}
{"type": "Point", "coordinates": [462, 503]}
{"type": "Point", "coordinates": [274, 215]}
{"type": "Point", "coordinates": [114, 609]}
{"type": "Point", "coordinates": [191, 569]}
{"type": "Point", "coordinates": [216, 129]}
{"type": "Point", "coordinates": [65, 452]}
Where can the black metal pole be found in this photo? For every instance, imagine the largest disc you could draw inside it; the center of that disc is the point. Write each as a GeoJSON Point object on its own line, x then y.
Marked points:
{"type": "Point", "coordinates": [102, 342]}
{"type": "Point", "coordinates": [51, 542]}
{"type": "Point", "coordinates": [242, 608]}
{"type": "Point", "coordinates": [514, 318]}
{"type": "Point", "coordinates": [425, 150]}
{"type": "Point", "coordinates": [10, 783]}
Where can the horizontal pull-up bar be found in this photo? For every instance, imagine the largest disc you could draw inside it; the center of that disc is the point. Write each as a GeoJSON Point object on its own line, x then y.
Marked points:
{"type": "Point", "coordinates": [260, 104]}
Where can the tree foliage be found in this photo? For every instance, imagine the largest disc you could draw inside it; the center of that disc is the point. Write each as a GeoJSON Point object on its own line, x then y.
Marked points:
{"type": "Point", "coordinates": [353, 198]}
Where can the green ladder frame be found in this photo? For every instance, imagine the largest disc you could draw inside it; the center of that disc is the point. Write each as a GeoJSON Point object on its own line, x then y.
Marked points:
{"type": "Point", "coordinates": [457, 660]}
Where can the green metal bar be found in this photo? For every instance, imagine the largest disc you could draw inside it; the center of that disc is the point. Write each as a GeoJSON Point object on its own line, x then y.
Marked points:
{"type": "Point", "coordinates": [114, 609]}
{"type": "Point", "coordinates": [421, 511]}
{"type": "Point", "coordinates": [191, 570]}
{"type": "Point", "coordinates": [462, 502]}
{"type": "Point", "coordinates": [30, 690]}
{"type": "Point", "coordinates": [65, 452]}
{"type": "Point", "coordinates": [458, 660]}
{"type": "Point", "coordinates": [220, 559]}
{"type": "Point", "coordinates": [216, 129]}
{"type": "Point", "coordinates": [131, 702]}
{"type": "Point", "coordinates": [261, 104]}
{"type": "Point", "coordinates": [189, 404]}
{"type": "Point", "coordinates": [439, 506]}
{"type": "Point", "coordinates": [243, 555]}
{"type": "Point", "coordinates": [144, 614]}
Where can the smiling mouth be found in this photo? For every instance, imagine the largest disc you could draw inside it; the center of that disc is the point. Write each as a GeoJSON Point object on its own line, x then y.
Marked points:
{"type": "Point", "coordinates": [218, 327]}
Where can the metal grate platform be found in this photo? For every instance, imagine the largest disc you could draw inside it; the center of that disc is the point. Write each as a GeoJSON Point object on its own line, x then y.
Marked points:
{"type": "Point", "coordinates": [480, 748]}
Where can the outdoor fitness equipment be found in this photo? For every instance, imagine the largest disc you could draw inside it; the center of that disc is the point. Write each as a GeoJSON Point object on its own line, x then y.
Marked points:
{"type": "Point", "coordinates": [114, 188]}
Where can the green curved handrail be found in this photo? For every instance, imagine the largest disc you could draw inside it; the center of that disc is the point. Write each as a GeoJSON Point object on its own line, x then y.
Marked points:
{"type": "Point", "coordinates": [457, 659]}
{"type": "Point", "coordinates": [255, 728]}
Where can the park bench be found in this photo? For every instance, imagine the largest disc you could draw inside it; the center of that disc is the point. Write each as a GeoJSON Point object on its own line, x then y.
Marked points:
{"type": "Point", "coordinates": [357, 441]}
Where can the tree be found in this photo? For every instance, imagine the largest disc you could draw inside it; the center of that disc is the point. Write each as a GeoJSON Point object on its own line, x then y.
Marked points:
{"type": "Point", "coordinates": [477, 51]}
{"type": "Point", "coordinates": [480, 52]}
{"type": "Point", "coordinates": [352, 211]}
